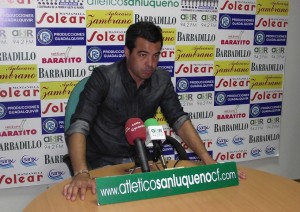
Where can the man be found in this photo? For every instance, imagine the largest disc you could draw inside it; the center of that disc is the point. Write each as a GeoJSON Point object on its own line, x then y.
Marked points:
{"type": "Point", "coordinates": [132, 87]}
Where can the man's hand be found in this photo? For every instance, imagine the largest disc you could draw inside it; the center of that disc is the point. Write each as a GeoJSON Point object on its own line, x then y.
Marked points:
{"type": "Point", "coordinates": [242, 175]}
{"type": "Point", "coordinates": [79, 185]}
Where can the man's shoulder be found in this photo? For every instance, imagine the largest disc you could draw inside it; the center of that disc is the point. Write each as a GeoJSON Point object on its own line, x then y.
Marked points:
{"type": "Point", "coordinates": [162, 74]}
{"type": "Point", "coordinates": [107, 69]}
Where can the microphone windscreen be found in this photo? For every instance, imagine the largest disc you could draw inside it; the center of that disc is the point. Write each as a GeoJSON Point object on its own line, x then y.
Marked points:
{"type": "Point", "coordinates": [151, 122]}
{"type": "Point", "coordinates": [135, 129]}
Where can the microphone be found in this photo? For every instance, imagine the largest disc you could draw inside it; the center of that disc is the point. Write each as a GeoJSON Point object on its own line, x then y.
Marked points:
{"type": "Point", "coordinates": [135, 133]}
{"type": "Point", "coordinates": [155, 133]}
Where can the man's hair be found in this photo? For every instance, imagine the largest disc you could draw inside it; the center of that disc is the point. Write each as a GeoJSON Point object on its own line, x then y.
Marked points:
{"type": "Point", "coordinates": [146, 30]}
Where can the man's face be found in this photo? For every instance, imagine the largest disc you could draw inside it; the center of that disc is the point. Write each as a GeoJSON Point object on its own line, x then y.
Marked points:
{"type": "Point", "coordinates": [143, 59]}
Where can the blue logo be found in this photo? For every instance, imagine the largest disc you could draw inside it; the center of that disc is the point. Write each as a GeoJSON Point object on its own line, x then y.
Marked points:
{"type": "Point", "coordinates": [28, 161]}
{"type": "Point", "coordinates": [202, 129]}
{"type": "Point", "coordinates": [3, 111]}
{"type": "Point", "coordinates": [6, 163]}
{"type": "Point", "coordinates": [238, 140]}
{"type": "Point", "coordinates": [220, 98]}
{"type": "Point", "coordinates": [255, 152]}
{"type": "Point", "coordinates": [182, 84]}
{"type": "Point", "coordinates": [55, 175]}
{"type": "Point", "coordinates": [221, 142]}
{"type": "Point", "coordinates": [94, 54]}
{"type": "Point", "coordinates": [225, 21]}
{"type": "Point", "coordinates": [270, 150]}
{"type": "Point", "coordinates": [255, 110]}
{"type": "Point", "coordinates": [259, 37]}
{"type": "Point", "coordinates": [45, 36]}
{"type": "Point", "coordinates": [50, 125]}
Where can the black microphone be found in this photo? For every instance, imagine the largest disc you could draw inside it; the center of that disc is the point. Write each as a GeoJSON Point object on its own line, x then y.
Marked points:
{"type": "Point", "coordinates": [135, 133]}
{"type": "Point", "coordinates": [155, 133]}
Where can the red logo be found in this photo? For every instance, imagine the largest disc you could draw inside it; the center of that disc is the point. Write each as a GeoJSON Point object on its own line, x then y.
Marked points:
{"type": "Point", "coordinates": [268, 22]}
{"type": "Point", "coordinates": [15, 92]}
{"type": "Point", "coordinates": [193, 68]}
{"type": "Point", "coordinates": [58, 18]}
{"type": "Point", "coordinates": [20, 178]}
{"type": "Point", "coordinates": [238, 6]}
{"type": "Point", "coordinates": [230, 156]}
{"type": "Point", "coordinates": [232, 83]}
{"type": "Point", "coordinates": [106, 36]}
{"type": "Point", "coordinates": [258, 95]}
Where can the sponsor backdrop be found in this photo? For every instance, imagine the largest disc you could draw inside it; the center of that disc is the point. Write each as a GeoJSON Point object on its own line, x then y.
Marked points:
{"type": "Point", "coordinates": [226, 59]}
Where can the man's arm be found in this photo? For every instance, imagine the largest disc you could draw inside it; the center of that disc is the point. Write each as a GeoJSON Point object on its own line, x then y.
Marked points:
{"type": "Point", "coordinates": [190, 136]}
{"type": "Point", "coordinates": [77, 151]}
{"type": "Point", "coordinates": [80, 182]}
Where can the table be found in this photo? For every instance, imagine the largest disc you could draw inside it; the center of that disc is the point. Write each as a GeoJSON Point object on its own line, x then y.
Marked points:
{"type": "Point", "coordinates": [261, 191]}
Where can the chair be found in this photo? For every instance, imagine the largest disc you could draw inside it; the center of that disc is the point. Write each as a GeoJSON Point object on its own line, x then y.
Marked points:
{"type": "Point", "coordinates": [70, 109]}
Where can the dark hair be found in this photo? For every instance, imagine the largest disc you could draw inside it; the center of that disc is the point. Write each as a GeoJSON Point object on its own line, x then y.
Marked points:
{"type": "Point", "coordinates": [146, 30]}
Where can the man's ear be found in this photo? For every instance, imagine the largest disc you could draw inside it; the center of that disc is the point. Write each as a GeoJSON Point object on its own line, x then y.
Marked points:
{"type": "Point", "coordinates": [127, 52]}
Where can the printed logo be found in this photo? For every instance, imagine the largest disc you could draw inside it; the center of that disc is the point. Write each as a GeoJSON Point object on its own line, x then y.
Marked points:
{"type": "Point", "coordinates": [259, 37]}
{"type": "Point", "coordinates": [3, 111]}
{"type": "Point", "coordinates": [94, 54]}
{"type": "Point", "coordinates": [270, 38]}
{"type": "Point", "coordinates": [255, 110]}
{"type": "Point", "coordinates": [17, 17]}
{"type": "Point", "coordinates": [50, 125]}
{"type": "Point", "coordinates": [6, 163]}
{"type": "Point", "coordinates": [236, 97]}
{"type": "Point", "coordinates": [238, 140]}
{"type": "Point", "coordinates": [220, 98]}
{"type": "Point", "coordinates": [20, 178]}
{"type": "Point", "coordinates": [182, 84]}
{"type": "Point", "coordinates": [200, 6]}
{"type": "Point", "coordinates": [55, 175]}
{"type": "Point", "coordinates": [265, 109]}
{"type": "Point", "coordinates": [20, 109]}
{"type": "Point", "coordinates": [255, 152]}
{"type": "Point", "coordinates": [195, 84]}
{"type": "Point", "coordinates": [225, 21]}
{"type": "Point", "coordinates": [233, 155]}
{"type": "Point", "coordinates": [54, 142]}
{"type": "Point", "coordinates": [28, 161]}
{"type": "Point", "coordinates": [222, 142]}
{"type": "Point", "coordinates": [105, 54]}
{"type": "Point", "coordinates": [53, 125]}
{"type": "Point", "coordinates": [44, 36]}
{"type": "Point", "coordinates": [270, 150]}
{"type": "Point", "coordinates": [237, 21]}
{"type": "Point", "coordinates": [202, 129]}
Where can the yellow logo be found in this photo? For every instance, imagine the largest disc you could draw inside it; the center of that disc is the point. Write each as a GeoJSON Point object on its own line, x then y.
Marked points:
{"type": "Point", "coordinates": [18, 73]}
{"type": "Point", "coordinates": [232, 68]}
{"type": "Point", "coordinates": [194, 52]}
{"type": "Point", "coordinates": [56, 90]}
{"type": "Point", "coordinates": [169, 36]}
{"type": "Point", "coordinates": [273, 81]}
{"type": "Point", "coordinates": [271, 7]}
{"type": "Point", "coordinates": [109, 18]}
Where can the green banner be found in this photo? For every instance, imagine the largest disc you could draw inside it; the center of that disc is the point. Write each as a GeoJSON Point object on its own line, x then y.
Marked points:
{"type": "Point", "coordinates": [124, 188]}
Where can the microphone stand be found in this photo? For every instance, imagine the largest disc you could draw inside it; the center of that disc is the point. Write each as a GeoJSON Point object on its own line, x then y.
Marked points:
{"type": "Point", "coordinates": [157, 153]}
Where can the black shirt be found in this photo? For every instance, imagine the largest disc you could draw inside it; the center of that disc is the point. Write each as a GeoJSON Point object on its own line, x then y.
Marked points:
{"type": "Point", "coordinates": [111, 97]}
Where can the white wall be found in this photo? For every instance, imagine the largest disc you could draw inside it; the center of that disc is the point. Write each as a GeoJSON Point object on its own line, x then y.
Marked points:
{"type": "Point", "coordinates": [287, 164]}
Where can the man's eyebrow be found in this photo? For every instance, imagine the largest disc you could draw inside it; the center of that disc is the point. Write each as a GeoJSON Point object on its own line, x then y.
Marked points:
{"type": "Point", "coordinates": [143, 51]}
